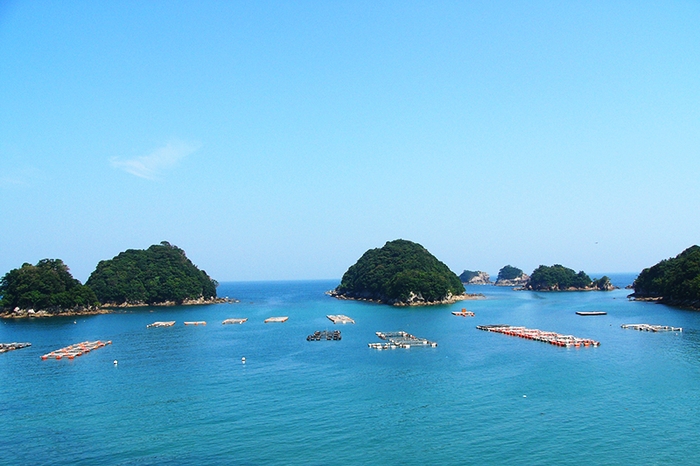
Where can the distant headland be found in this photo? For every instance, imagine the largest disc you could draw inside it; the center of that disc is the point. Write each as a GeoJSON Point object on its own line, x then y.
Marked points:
{"type": "Point", "coordinates": [674, 281]}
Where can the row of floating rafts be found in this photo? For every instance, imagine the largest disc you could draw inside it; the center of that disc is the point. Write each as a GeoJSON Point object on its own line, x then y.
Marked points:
{"type": "Point", "coordinates": [5, 347]}
{"type": "Point", "coordinates": [78, 349]}
{"type": "Point", "coordinates": [553, 338]}
{"type": "Point", "coordinates": [324, 335]}
{"type": "Point", "coordinates": [463, 313]}
{"type": "Point", "coordinates": [652, 328]}
{"type": "Point", "coordinates": [400, 340]}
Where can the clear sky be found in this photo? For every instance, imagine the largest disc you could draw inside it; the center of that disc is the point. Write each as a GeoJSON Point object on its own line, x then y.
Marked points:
{"type": "Point", "coordinates": [281, 140]}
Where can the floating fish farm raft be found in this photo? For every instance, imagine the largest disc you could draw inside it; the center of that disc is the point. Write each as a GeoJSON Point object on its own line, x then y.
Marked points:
{"type": "Point", "coordinates": [234, 321]}
{"type": "Point", "coordinates": [324, 335]}
{"type": "Point", "coordinates": [340, 319]}
{"type": "Point", "coordinates": [78, 349]}
{"type": "Point", "coordinates": [5, 347]}
{"type": "Point", "coordinates": [591, 313]}
{"type": "Point", "coordinates": [276, 319]}
{"type": "Point", "coordinates": [553, 338]}
{"type": "Point", "coordinates": [652, 328]}
{"type": "Point", "coordinates": [463, 313]}
{"type": "Point", "coordinates": [161, 324]}
{"type": "Point", "coordinates": [400, 340]}
{"type": "Point", "coordinates": [199, 322]}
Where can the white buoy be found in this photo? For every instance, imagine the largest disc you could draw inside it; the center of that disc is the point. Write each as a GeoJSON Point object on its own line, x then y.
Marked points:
{"type": "Point", "coordinates": [524, 396]}
{"type": "Point", "coordinates": [116, 362]}
{"type": "Point", "coordinates": [243, 360]}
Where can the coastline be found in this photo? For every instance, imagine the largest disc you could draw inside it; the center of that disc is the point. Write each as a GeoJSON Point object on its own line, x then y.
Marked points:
{"type": "Point", "coordinates": [449, 300]}
{"type": "Point", "coordinates": [107, 308]}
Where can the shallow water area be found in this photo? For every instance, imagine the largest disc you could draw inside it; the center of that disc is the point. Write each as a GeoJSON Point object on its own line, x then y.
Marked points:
{"type": "Point", "coordinates": [183, 395]}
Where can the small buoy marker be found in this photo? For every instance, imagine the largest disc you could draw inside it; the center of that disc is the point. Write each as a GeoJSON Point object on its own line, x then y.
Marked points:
{"type": "Point", "coordinates": [524, 396]}
{"type": "Point", "coordinates": [116, 362]}
{"type": "Point", "coordinates": [243, 360]}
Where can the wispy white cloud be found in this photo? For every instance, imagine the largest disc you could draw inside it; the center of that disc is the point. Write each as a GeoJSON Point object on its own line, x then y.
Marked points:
{"type": "Point", "coordinates": [151, 166]}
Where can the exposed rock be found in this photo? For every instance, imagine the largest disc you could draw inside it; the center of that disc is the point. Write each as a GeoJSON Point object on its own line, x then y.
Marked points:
{"type": "Point", "coordinates": [481, 278]}
{"type": "Point", "coordinates": [515, 282]}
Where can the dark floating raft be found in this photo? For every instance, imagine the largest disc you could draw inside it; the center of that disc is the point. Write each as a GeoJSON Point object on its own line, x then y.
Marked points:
{"type": "Point", "coordinates": [324, 335]}
{"type": "Point", "coordinates": [591, 313]}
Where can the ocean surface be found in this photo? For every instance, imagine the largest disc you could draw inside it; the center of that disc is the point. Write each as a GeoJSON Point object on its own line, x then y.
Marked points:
{"type": "Point", "coordinates": [182, 395]}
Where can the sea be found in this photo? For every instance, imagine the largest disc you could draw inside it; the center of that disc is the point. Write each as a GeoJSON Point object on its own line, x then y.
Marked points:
{"type": "Point", "coordinates": [185, 395]}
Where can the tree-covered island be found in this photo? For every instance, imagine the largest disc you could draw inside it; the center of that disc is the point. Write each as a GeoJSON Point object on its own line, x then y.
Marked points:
{"type": "Point", "coordinates": [45, 289]}
{"type": "Point", "coordinates": [674, 281]}
{"type": "Point", "coordinates": [159, 275]}
{"type": "Point", "coordinates": [511, 276]}
{"type": "Point", "coordinates": [475, 277]}
{"type": "Point", "coordinates": [560, 278]}
{"type": "Point", "coordinates": [401, 273]}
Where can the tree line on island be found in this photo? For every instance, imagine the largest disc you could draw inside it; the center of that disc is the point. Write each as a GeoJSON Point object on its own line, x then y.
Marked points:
{"type": "Point", "coordinates": [400, 273]}
{"type": "Point", "coordinates": [161, 274]}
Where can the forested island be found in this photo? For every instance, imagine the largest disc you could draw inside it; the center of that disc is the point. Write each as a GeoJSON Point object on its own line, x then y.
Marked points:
{"type": "Point", "coordinates": [45, 289]}
{"type": "Point", "coordinates": [160, 275]}
{"type": "Point", "coordinates": [674, 281]}
{"type": "Point", "coordinates": [400, 273]}
{"type": "Point", "coordinates": [560, 278]}
{"type": "Point", "coordinates": [475, 277]}
{"type": "Point", "coordinates": [511, 276]}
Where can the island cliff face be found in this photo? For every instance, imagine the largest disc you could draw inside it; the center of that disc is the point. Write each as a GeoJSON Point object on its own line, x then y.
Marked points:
{"type": "Point", "coordinates": [674, 281]}
{"type": "Point", "coordinates": [469, 277]}
{"type": "Point", "coordinates": [401, 273]}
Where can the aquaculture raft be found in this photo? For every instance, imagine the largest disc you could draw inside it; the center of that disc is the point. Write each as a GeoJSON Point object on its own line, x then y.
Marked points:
{"type": "Point", "coordinates": [5, 347]}
{"type": "Point", "coordinates": [340, 319]}
{"type": "Point", "coordinates": [234, 321]}
{"type": "Point", "coordinates": [161, 324]}
{"type": "Point", "coordinates": [276, 319]}
{"type": "Point", "coordinates": [400, 340]}
{"type": "Point", "coordinates": [324, 335]}
{"type": "Point", "coordinates": [199, 322]}
{"type": "Point", "coordinates": [553, 338]}
{"type": "Point", "coordinates": [652, 328]}
{"type": "Point", "coordinates": [77, 349]}
{"type": "Point", "coordinates": [591, 313]}
{"type": "Point", "coordinates": [463, 313]}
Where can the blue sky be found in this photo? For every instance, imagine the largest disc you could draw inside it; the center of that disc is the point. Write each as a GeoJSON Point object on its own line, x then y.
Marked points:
{"type": "Point", "coordinates": [280, 140]}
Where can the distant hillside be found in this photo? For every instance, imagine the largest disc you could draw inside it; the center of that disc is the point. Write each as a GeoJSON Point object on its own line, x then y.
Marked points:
{"type": "Point", "coordinates": [162, 273]}
{"type": "Point", "coordinates": [401, 273]}
{"type": "Point", "coordinates": [674, 281]}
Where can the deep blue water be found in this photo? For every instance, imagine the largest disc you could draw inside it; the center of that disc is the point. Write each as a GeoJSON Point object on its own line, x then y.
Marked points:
{"type": "Point", "coordinates": [181, 395]}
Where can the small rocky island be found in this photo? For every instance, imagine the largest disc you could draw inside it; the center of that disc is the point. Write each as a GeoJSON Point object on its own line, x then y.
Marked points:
{"type": "Point", "coordinates": [511, 276]}
{"type": "Point", "coordinates": [475, 277]}
{"type": "Point", "coordinates": [401, 273]}
{"type": "Point", "coordinates": [560, 278]}
{"type": "Point", "coordinates": [674, 281]}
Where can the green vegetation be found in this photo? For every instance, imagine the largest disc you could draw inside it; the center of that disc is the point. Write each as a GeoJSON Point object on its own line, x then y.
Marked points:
{"type": "Point", "coordinates": [558, 277]}
{"type": "Point", "coordinates": [675, 280]}
{"type": "Point", "coordinates": [47, 286]}
{"type": "Point", "coordinates": [509, 273]}
{"type": "Point", "coordinates": [397, 272]}
{"type": "Point", "coordinates": [158, 274]}
{"type": "Point", "coordinates": [468, 275]}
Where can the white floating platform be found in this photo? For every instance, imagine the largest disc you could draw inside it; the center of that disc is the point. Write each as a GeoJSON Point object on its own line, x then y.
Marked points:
{"type": "Point", "coordinates": [276, 319]}
{"type": "Point", "coordinates": [340, 319]}
{"type": "Point", "coordinates": [199, 322]}
{"type": "Point", "coordinates": [652, 328]}
{"type": "Point", "coordinates": [234, 321]}
{"type": "Point", "coordinates": [161, 324]}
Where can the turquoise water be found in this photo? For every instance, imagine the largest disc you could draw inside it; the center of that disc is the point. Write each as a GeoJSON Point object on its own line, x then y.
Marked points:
{"type": "Point", "coordinates": [181, 395]}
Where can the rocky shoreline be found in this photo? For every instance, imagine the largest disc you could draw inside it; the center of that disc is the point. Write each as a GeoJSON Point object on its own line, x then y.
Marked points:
{"type": "Point", "coordinates": [105, 308]}
{"type": "Point", "coordinates": [414, 300]}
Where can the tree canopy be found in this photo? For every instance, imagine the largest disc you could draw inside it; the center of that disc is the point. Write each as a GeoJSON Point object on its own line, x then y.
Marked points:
{"type": "Point", "coordinates": [558, 277]}
{"type": "Point", "coordinates": [675, 280]}
{"type": "Point", "coordinates": [47, 286]}
{"type": "Point", "coordinates": [398, 270]}
{"type": "Point", "coordinates": [509, 272]}
{"type": "Point", "coordinates": [468, 275]}
{"type": "Point", "coordinates": [158, 274]}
